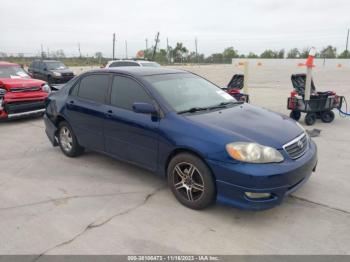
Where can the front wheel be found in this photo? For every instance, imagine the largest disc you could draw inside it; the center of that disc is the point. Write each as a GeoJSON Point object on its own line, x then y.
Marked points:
{"type": "Point", "coordinates": [68, 141]}
{"type": "Point", "coordinates": [327, 116]}
{"type": "Point", "coordinates": [191, 181]}
{"type": "Point", "coordinates": [310, 119]}
{"type": "Point", "coordinates": [295, 115]}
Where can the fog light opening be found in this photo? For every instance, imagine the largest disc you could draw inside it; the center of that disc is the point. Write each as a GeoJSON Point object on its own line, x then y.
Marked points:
{"type": "Point", "coordinates": [254, 195]}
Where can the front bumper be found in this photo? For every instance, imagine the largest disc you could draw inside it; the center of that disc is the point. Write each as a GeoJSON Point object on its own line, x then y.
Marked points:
{"type": "Point", "coordinates": [280, 180]}
{"type": "Point", "coordinates": [22, 105]}
{"type": "Point", "coordinates": [61, 79]}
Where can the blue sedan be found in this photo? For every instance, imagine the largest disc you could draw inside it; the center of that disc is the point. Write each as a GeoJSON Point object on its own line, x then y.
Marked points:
{"type": "Point", "coordinates": [208, 146]}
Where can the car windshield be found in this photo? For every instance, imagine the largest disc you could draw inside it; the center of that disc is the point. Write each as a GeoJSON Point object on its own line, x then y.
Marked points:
{"type": "Point", "coordinates": [188, 92]}
{"type": "Point", "coordinates": [55, 65]}
{"type": "Point", "coordinates": [12, 72]}
{"type": "Point", "coordinates": [150, 64]}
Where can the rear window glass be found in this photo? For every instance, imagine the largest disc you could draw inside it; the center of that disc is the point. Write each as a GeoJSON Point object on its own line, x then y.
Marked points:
{"type": "Point", "coordinates": [94, 88]}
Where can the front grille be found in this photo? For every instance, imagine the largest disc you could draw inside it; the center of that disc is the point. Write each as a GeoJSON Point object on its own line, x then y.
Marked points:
{"type": "Point", "coordinates": [25, 89]}
{"type": "Point", "coordinates": [67, 74]}
{"type": "Point", "coordinates": [20, 107]}
{"type": "Point", "coordinates": [297, 147]}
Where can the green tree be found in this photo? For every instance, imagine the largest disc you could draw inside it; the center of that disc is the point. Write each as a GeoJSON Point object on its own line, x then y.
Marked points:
{"type": "Point", "coordinates": [344, 54]}
{"type": "Point", "coordinates": [293, 53]}
{"type": "Point", "coordinates": [329, 52]}
{"type": "Point", "coordinates": [179, 52]}
{"type": "Point", "coordinates": [269, 54]}
{"type": "Point", "coordinates": [230, 53]}
{"type": "Point", "coordinates": [252, 55]}
{"type": "Point", "coordinates": [304, 52]}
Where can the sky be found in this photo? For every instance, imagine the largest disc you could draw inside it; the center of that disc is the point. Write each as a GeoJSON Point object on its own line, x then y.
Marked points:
{"type": "Point", "coordinates": [247, 25]}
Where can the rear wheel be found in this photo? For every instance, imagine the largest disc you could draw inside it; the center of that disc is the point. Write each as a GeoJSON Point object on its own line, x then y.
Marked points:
{"type": "Point", "coordinates": [327, 116]}
{"type": "Point", "coordinates": [68, 141]}
{"type": "Point", "coordinates": [191, 181]}
{"type": "Point", "coordinates": [310, 119]}
{"type": "Point", "coordinates": [295, 115]}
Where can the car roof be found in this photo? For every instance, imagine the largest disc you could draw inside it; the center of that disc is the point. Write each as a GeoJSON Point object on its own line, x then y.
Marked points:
{"type": "Point", "coordinates": [4, 63]}
{"type": "Point", "coordinates": [141, 71]}
{"type": "Point", "coordinates": [45, 61]}
{"type": "Point", "coordinates": [130, 60]}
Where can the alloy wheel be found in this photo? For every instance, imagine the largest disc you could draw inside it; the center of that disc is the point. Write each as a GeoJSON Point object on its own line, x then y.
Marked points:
{"type": "Point", "coordinates": [188, 181]}
{"type": "Point", "coordinates": [66, 139]}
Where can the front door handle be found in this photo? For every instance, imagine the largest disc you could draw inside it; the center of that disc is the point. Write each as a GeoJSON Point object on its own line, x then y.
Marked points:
{"type": "Point", "coordinates": [71, 102]}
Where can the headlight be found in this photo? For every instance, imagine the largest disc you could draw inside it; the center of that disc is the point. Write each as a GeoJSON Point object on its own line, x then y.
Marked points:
{"type": "Point", "coordinates": [46, 88]}
{"type": "Point", "coordinates": [253, 153]}
{"type": "Point", "coordinates": [57, 74]}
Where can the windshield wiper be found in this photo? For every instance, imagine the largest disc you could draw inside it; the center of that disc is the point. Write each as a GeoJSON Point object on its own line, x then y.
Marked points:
{"type": "Point", "coordinates": [193, 110]}
{"type": "Point", "coordinates": [225, 104]}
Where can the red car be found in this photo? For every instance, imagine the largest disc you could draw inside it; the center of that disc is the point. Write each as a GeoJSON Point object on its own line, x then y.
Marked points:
{"type": "Point", "coordinates": [20, 95]}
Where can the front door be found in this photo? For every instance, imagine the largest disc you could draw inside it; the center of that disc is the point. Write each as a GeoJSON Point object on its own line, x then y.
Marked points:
{"type": "Point", "coordinates": [128, 135]}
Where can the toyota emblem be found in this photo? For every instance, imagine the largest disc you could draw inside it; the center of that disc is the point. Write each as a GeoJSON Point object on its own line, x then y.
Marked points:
{"type": "Point", "coordinates": [300, 144]}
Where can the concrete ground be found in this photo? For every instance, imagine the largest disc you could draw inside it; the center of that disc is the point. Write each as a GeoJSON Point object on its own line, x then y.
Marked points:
{"type": "Point", "coordinates": [51, 204]}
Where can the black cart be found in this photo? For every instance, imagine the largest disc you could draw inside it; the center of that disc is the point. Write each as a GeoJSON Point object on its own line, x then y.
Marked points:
{"type": "Point", "coordinates": [319, 106]}
{"type": "Point", "coordinates": [235, 86]}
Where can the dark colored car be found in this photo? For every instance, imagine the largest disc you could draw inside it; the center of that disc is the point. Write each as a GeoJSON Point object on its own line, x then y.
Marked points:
{"type": "Point", "coordinates": [54, 72]}
{"type": "Point", "coordinates": [20, 95]}
{"type": "Point", "coordinates": [174, 123]}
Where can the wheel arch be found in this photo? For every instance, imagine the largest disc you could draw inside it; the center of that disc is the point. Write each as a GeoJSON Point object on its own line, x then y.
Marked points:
{"type": "Point", "coordinates": [180, 150]}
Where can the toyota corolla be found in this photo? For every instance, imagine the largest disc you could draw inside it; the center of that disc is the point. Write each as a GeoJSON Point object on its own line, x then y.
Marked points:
{"type": "Point", "coordinates": [208, 146]}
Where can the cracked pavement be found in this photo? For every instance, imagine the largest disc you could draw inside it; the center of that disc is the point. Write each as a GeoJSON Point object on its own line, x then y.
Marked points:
{"type": "Point", "coordinates": [51, 204]}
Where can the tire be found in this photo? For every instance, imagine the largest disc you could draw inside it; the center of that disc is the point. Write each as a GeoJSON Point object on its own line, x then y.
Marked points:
{"type": "Point", "coordinates": [310, 119]}
{"type": "Point", "coordinates": [327, 116]}
{"type": "Point", "coordinates": [295, 115]}
{"type": "Point", "coordinates": [68, 141]}
{"type": "Point", "coordinates": [49, 80]}
{"type": "Point", "coordinates": [191, 181]}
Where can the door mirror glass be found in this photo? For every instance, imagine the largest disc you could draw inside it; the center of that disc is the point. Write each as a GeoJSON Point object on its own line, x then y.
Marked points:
{"type": "Point", "coordinates": [144, 108]}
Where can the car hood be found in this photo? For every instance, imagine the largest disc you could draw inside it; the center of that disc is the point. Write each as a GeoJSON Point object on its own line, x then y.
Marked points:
{"type": "Point", "coordinates": [9, 83]}
{"type": "Point", "coordinates": [250, 123]}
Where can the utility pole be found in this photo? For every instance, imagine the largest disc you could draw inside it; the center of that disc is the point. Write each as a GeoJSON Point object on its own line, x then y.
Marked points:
{"type": "Point", "coordinates": [196, 43]}
{"type": "Point", "coordinates": [126, 49]}
{"type": "Point", "coordinates": [48, 52]}
{"type": "Point", "coordinates": [155, 46]}
{"type": "Point", "coordinates": [146, 44]}
{"type": "Point", "coordinates": [42, 51]}
{"type": "Point", "coordinates": [79, 50]}
{"type": "Point", "coordinates": [347, 42]}
{"type": "Point", "coordinates": [113, 46]}
{"type": "Point", "coordinates": [167, 49]}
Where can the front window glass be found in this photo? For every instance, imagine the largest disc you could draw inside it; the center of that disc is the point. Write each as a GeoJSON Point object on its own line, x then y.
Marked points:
{"type": "Point", "coordinates": [12, 72]}
{"type": "Point", "coordinates": [186, 91]}
{"type": "Point", "coordinates": [55, 65]}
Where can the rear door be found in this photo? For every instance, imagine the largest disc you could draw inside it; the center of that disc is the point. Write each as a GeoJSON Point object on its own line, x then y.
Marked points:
{"type": "Point", "coordinates": [86, 109]}
{"type": "Point", "coordinates": [131, 136]}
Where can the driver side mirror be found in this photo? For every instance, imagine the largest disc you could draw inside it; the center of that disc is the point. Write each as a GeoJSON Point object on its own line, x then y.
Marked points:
{"type": "Point", "coordinates": [144, 108]}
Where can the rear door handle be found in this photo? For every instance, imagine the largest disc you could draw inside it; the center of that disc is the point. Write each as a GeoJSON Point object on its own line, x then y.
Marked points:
{"type": "Point", "coordinates": [109, 113]}
{"type": "Point", "coordinates": [71, 102]}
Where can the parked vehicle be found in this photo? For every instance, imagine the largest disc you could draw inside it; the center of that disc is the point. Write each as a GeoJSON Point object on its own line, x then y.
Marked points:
{"type": "Point", "coordinates": [174, 123]}
{"type": "Point", "coordinates": [20, 95]}
{"type": "Point", "coordinates": [52, 71]}
{"type": "Point", "coordinates": [141, 63]}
